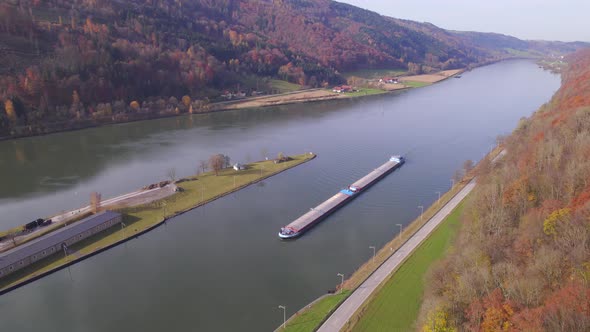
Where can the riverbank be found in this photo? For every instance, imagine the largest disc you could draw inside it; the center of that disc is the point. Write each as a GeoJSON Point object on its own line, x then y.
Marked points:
{"type": "Point", "coordinates": [313, 95]}
{"type": "Point", "coordinates": [312, 316]}
{"type": "Point", "coordinates": [196, 191]}
{"type": "Point", "coordinates": [292, 97]}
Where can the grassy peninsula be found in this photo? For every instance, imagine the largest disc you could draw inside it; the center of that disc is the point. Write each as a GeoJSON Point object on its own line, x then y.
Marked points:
{"type": "Point", "coordinates": [195, 191]}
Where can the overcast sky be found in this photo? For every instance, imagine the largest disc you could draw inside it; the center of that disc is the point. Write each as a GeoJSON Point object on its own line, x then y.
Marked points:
{"type": "Point", "coordinates": [565, 20]}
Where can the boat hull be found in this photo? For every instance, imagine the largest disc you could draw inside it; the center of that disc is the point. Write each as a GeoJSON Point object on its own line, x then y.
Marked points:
{"type": "Point", "coordinates": [326, 213]}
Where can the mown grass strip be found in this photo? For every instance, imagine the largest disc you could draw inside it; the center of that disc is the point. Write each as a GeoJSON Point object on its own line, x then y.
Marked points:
{"type": "Point", "coordinates": [311, 317]}
{"type": "Point", "coordinates": [374, 73]}
{"type": "Point", "coordinates": [415, 84]}
{"type": "Point", "coordinates": [284, 86]}
{"type": "Point", "coordinates": [395, 306]}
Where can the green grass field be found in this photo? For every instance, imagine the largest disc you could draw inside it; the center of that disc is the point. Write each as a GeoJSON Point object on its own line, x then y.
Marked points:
{"type": "Point", "coordinates": [308, 319]}
{"type": "Point", "coordinates": [373, 73]}
{"type": "Point", "coordinates": [283, 86]}
{"type": "Point", "coordinates": [415, 84]}
{"type": "Point", "coordinates": [198, 190]}
{"type": "Point", "coordinates": [395, 306]}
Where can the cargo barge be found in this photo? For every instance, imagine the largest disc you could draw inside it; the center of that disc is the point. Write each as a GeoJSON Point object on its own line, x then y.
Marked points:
{"type": "Point", "coordinates": [315, 215]}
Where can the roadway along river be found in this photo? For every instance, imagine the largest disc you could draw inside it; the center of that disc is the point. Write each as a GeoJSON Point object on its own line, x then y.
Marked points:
{"type": "Point", "coordinates": [222, 267]}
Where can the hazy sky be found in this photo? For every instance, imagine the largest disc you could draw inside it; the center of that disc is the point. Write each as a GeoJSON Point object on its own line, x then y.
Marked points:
{"type": "Point", "coordinates": [565, 20]}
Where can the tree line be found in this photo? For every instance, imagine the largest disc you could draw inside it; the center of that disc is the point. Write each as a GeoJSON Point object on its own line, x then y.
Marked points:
{"type": "Point", "coordinates": [521, 261]}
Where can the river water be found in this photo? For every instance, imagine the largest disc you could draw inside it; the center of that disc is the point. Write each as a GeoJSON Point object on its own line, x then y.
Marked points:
{"type": "Point", "coordinates": [222, 267]}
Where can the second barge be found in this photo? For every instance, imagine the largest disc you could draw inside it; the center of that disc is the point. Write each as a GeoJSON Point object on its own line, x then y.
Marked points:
{"type": "Point", "coordinates": [315, 215]}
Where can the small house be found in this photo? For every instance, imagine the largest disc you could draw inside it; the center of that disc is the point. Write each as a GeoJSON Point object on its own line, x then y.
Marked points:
{"type": "Point", "coordinates": [390, 80]}
{"type": "Point", "coordinates": [227, 95]}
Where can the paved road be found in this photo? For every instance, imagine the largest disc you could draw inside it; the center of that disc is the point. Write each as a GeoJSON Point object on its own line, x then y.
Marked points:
{"type": "Point", "coordinates": [134, 198]}
{"type": "Point", "coordinates": [359, 296]}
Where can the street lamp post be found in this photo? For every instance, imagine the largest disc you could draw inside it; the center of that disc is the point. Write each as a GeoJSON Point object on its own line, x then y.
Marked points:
{"type": "Point", "coordinates": [421, 207]}
{"type": "Point", "coordinates": [342, 281]}
{"type": "Point", "coordinates": [284, 314]}
{"type": "Point", "coordinates": [373, 247]}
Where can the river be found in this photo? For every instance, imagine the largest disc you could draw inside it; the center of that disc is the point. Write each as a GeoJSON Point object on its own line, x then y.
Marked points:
{"type": "Point", "coordinates": [222, 267]}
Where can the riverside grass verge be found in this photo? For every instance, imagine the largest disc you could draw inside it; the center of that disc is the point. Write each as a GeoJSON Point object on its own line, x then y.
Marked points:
{"type": "Point", "coordinates": [394, 306]}
{"type": "Point", "coordinates": [197, 191]}
{"type": "Point", "coordinates": [416, 84]}
{"type": "Point", "coordinates": [365, 270]}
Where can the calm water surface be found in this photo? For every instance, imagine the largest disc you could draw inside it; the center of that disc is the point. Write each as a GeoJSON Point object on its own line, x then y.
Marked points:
{"type": "Point", "coordinates": [222, 267]}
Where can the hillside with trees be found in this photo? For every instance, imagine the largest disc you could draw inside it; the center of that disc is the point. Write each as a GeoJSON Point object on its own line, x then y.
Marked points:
{"type": "Point", "coordinates": [521, 261]}
{"type": "Point", "coordinates": [78, 63]}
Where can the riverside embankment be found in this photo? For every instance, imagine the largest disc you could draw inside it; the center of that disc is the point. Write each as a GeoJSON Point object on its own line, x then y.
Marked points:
{"type": "Point", "coordinates": [305, 95]}
{"type": "Point", "coordinates": [140, 219]}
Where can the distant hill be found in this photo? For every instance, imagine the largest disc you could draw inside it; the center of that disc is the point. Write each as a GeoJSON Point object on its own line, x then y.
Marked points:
{"type": "Point", "coordinates": [76, 63]}
{"type": "Point", "coordinates": [511, 46]}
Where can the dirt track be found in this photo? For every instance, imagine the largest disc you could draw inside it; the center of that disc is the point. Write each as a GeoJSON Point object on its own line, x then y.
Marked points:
{"type": "Point", "coordinates": [296, 97]}
{"type": "Point", "coordinates": [431, 78]}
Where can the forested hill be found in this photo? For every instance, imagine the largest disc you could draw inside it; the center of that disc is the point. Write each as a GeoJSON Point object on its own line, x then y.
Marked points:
{"type": "Point", "coordinates": [522, 258]}
{"type": "Point", "coordinates": [67, 63]}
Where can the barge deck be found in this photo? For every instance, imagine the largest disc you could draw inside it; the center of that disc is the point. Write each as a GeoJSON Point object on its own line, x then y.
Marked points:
{"type": "Point", "coordinates": [315, 215]}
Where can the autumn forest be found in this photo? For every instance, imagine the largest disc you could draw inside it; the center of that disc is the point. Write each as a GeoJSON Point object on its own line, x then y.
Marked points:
{"type": "Point", "coordinates": [522, 259]}
{"type": "Point", "coordinates": [78, 63]}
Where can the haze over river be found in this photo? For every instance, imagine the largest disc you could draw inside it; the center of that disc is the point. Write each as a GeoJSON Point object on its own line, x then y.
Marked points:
{"type": "Point", "coordinates": [222, 267]}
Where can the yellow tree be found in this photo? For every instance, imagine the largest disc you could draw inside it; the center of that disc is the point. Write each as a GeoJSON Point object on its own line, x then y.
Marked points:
{"type": "Point", "coordinates": [216, 163]}
{"type": "Point", "coordinates": [186, 100]}
{"type": "Point", "coordinates": [134, 105]}
{"type": "Point", "coordinates": [10, 112]}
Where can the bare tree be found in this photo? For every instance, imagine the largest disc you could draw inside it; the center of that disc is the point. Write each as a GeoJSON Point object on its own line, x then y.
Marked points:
{"type": "Point", "coordinates": [468, 165]}
{"type": "Point", "coordinates": [484, 166]}
{"type": "Point", "coordinates": [95, 199]}
{"type": "Point", "coordinates": [203, 165]}
{"type": "Point", "coordinates": [458, 176]}
{"type": "Point", "coordinates": [226, 161]}
{"type": "Point", "coordinates": [216, 163]}
{"type": "Point", "coordinates": [12, 236]}
{"type": "Point", "coordinates": [171, 174]}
